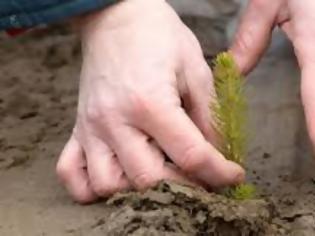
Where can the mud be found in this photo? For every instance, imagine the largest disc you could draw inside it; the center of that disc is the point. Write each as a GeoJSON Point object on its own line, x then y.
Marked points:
{"type": "Point", "coordinates": [172, 209]}
{"type": "Point", "coordinates": [38, 92]}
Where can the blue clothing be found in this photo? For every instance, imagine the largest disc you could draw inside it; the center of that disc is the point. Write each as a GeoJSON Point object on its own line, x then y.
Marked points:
{"type": "Point", "coordinates": [16, 14]}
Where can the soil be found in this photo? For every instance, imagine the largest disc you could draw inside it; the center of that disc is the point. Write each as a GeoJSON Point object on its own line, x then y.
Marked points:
{"type": "Point", "coordinates": [173, 209]}
{"type": "Point", "coordinates": [38, 92]}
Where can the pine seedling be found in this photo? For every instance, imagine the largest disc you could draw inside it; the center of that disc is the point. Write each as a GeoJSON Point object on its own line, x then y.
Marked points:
{"type": "Point", "coordinates": [230, 115]}
{"type": "Point", "coordinates": [242, 192]}
{"type": "Point", "coordinates": [230, 108]}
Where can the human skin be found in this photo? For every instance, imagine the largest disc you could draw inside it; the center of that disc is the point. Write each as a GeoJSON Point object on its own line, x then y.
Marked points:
{"type": "Point", "coordinates": [297, 20]}
{"type": "Point", "coordinates": [145, 90]}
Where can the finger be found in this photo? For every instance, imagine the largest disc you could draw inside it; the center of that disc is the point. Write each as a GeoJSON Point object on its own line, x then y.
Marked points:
{"type": "Point", "coordinates": [308, 99]}
{"type": "Point", "coordinates": [284, 22]}
{"type": "Point", "coordinates": [302, 35]}
{"type": "Point", "coordinates": [305, 50]}
{"type": "Point", "coordinates": [308, 95]}
{"type": "Point", "coordinates": [142, 161]}
{"type": "Point", "coordinates": [186, 146]}
{"type": "Point", "coordinates": [198, 95]}
{"type": "Point", "coordinates": [71, 169]}
{"type": "Point", "coordinates": [287, 29]}
{"type": "Point", "coordinates": [254, 32]}
{"type": "Point", "coordinates": [105, 172]}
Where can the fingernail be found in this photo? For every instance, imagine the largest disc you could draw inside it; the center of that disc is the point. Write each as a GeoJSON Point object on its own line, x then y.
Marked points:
{"type": "Point", "coordinates": [240, 177]}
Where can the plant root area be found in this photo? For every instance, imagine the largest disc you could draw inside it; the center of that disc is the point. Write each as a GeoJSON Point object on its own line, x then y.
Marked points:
{"type": "Point", "coordinates": [38, 96]}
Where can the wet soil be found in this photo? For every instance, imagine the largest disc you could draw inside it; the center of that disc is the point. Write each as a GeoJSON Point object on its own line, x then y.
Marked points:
{"type": "Point", "coordinates": [173, 209]}
{"type": "Point", "coordinates": [38, 92]}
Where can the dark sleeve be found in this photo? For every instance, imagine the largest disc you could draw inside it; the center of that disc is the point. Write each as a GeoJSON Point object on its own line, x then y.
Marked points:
{"type": "Point", "coordinates": [16, 14]}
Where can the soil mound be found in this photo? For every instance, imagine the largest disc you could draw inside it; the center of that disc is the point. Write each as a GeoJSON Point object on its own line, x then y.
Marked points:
{"type": "Point", "coordinates": [173, 209]}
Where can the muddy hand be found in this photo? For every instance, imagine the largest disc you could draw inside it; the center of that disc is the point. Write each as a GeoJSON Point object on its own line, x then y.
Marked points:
{"type": "Point", "coordinates": [297, 19]}
{"type": "Point", "coordinates": [144, 91]}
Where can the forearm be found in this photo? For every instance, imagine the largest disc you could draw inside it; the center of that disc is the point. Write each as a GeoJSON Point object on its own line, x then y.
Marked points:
{"type": "Point", "coordinates": [26, 14]}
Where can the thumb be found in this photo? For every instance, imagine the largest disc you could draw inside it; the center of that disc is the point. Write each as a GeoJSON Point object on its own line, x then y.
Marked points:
{"type": "Point", "coordinates": [254, 32]}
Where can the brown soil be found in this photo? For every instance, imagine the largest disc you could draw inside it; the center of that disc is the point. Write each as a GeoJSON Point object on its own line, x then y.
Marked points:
{"type": "Point", "coordinates": [38, 92]}
{"type": "Point", "coordinates": [172, 209]}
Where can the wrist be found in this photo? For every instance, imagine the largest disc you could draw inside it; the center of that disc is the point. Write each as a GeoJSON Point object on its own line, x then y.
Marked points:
{"type": "Point", "coordinates": [121, 13]}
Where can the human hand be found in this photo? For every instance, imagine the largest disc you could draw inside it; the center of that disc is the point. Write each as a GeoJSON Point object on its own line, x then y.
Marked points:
{"type": "Point", "coordinates": [297, 19]}
{"type": "Point", "coordinates": [144, 91]}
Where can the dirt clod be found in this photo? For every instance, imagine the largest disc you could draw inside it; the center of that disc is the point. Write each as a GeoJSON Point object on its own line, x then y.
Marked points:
{"type": "Point", "coordinates": [173, 209]}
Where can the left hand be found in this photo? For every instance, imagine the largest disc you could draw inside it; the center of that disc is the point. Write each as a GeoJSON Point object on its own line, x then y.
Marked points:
{"type": "Point", "coordinates": [145, 90]}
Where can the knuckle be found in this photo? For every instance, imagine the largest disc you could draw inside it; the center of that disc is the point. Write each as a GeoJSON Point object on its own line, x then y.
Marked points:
{"type": "Point", "coordinates": [194, 158]}
{"type": "Point", "coordinates": [100, 115]}
{"type": "Point", "coordinates": [259, 4]}
{"type": "Point", "coordinates": [63, 171]}
{"type": "Point", "coordinates": [145, 180]}
{"type": "Point", "coordinates": [140, 104]}
{"type": "Point", "coordinates": [95, 113]}
{"type": "Point", "coordinates": [244, 41]}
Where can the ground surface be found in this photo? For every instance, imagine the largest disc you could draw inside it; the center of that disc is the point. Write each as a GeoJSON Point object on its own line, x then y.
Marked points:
{"type": "Point", "coordinates": [38, 89]}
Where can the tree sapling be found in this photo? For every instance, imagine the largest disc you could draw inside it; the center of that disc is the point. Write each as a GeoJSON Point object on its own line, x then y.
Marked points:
{"type": "Point", "coordinates": [230, 116]}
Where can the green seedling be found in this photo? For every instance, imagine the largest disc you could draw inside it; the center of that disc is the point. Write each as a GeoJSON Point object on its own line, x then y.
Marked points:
{"type": "Point", "coordinates": [243, 192]}
{"type": "Point", "coordinates": [230, 116]}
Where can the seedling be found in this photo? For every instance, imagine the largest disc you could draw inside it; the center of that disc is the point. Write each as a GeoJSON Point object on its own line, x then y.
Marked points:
{"type": "Point", "coordinates": [230, 115]}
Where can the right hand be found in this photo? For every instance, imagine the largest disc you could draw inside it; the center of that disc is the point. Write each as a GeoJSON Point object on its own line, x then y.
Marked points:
{"type": "Point", "coordinates": [145, 90]}
{"type": "Point", "coordinates": [297, 20]}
